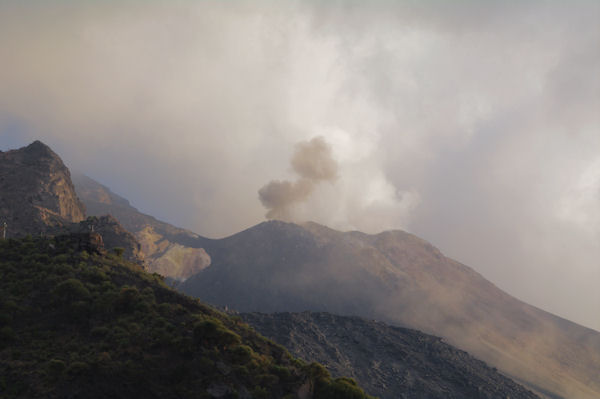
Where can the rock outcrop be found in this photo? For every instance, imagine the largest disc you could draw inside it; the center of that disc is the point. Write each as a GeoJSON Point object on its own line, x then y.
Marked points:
{"type": "Point", "coordinates": [36, 192]}
{"type": "Point", "coordinates": [37, 197]}
{"type": "Point", "coordinates": [113, 235]}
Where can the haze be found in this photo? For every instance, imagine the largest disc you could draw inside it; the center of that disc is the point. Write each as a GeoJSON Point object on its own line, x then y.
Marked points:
{"type": "Point", "coordinates": [472, 124]}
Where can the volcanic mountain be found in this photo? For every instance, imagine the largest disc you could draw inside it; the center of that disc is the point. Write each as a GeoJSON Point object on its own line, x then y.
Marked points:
{"type": "Point", "coordinates": [403, 280]}
{"type": "Point", "coordinates": [394, 277]}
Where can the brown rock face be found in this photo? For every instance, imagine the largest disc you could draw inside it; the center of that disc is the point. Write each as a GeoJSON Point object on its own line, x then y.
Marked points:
{"type": "Point", "coordinates": [168, 250]}
{"type": "Point", "coordinates": [170, 258]}
{"type": "Point", "coordinates": [36, 193]}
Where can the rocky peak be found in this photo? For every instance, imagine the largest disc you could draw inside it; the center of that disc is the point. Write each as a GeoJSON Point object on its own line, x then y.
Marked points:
{"type": "Point", "coordinates": [37, 149]}
{"type": "Point", "coordinates": [36, 192]}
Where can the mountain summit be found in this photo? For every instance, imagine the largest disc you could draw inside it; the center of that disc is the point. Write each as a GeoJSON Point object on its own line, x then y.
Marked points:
{"type": "Point", "coordinates": [401, 279]}
{"type": "Point", "coordinates": [36, 193]}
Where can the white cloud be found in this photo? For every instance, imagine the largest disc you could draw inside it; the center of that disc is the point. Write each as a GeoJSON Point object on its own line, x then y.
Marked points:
{"type": "Point", "coordinates": [473, 124]}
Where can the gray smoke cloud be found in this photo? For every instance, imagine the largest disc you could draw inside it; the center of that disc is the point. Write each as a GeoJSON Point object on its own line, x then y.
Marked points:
{"type": "Point", "coordinates": [313, 162]}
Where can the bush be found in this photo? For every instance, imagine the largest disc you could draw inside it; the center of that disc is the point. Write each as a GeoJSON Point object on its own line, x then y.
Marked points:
{"type": "Point", "coordinates": [212, 331]}
{"type": "Point", "coordinates": [242, 353]}
{"type": "Point", "coordinates": [127, 298]}
{"type": "Point", "coordinates": [6, 335]}
{"type": "Point", "coordinates": [119, 251]}
{"type": "Point", "coordinates": [55, 368]}
{"type": "Point", "coordinates": [343, 388]}
{"type": "Point", "coordinates": [77, 368]}
{"type": "Point", "coordinates": [260, 393]}
{"type": "Point", "coordinates": [100, 331]}
{"type": "Point", "coordinates": [318, 372]}
{"type": "Point", "coordinates": [71, 290]}
{"type": "Point", "coordinates": [282, 372]}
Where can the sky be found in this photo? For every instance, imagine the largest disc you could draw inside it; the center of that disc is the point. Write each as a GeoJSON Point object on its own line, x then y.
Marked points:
{"type": "Point", "coordinates": [472, 124]}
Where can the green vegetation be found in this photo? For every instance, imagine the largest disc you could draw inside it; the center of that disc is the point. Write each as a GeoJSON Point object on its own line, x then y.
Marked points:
{"type": "Point", "coordinates": [78, 324]}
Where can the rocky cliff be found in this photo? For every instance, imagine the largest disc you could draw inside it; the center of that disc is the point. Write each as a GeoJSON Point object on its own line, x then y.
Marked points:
{"type": "Point", "coordinates": [37, 197]}
{"type": "Point", "coordinates": [36, 193]}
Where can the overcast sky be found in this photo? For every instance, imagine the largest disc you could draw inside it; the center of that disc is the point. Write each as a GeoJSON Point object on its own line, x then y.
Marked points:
{"type": "Point", "coordinates": [472, 124]}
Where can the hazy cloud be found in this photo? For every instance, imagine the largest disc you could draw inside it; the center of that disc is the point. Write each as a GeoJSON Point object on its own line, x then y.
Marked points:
{"type": "Point", "coordinates": [473, 124]}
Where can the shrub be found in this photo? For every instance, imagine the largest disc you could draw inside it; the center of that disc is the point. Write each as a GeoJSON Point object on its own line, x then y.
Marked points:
{"type": "Point", "coordinates": [55, 368]}
{"type": "Point", "coordinates": [6, 335]}
{"type": "Point", "coordinates": [281, 371]}
{"type": "Point", "coordinates": [77, 368]}
{"type": "Point", "coordinates": [119, 251]}
{"type": "Point", "coordinates": [242, 354]}
{"type": "Point", "coordinates": [318, 372]}
{"type": "Point", "coordinates": [260, 393]}
{"type": "Point", "coordinates": [214, 332]}
{"type": "Point", "coordinates": [5, 319]}
{"type": "Point", "coordinates": [343, 388]}
{"type": "Point", "coordinates": [127, 298]}
{"type": "Point", "coordinates": [100, 331]}
{"type": "Point", "coordinates": [71, 290]}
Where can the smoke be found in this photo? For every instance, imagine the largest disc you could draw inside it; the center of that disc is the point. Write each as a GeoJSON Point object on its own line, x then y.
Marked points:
{"type": "Point", "coordinates": [313, 163]}
{"type": "Point", "coordinates": [313, 160]}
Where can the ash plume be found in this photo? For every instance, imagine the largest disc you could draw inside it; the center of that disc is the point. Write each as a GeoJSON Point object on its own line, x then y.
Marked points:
{"type": "Point", "coordinates": [313, 162]}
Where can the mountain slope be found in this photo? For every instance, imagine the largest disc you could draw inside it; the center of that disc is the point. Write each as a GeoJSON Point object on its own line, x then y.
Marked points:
{"type": "Point", "coordinates": [401, 279]}
{"type": "Point", "coordinates": [77, 323]}
{"type": "Point", "coordinates": [393, 276]}
{"type": "Point", "coordinates": [36, 193]}
{"type": "Point", "coordinates": [389, 362]}
{"type": "Point", "coordinates": [167, 250]}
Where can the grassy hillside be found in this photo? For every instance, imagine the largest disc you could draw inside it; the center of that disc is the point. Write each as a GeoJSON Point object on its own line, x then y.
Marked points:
{"type": "Point", "coordinates": [86, 324]}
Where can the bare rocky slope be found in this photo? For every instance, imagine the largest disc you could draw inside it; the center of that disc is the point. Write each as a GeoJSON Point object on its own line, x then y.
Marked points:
{"type": "Point", "coordinates": [36, 193]}
{"type": "Point", "coordinates": [401, 279]}
{"type": "Point", "coordinates": [388, 362]}
{"type": "Point", "coordinates": [168, 250]}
